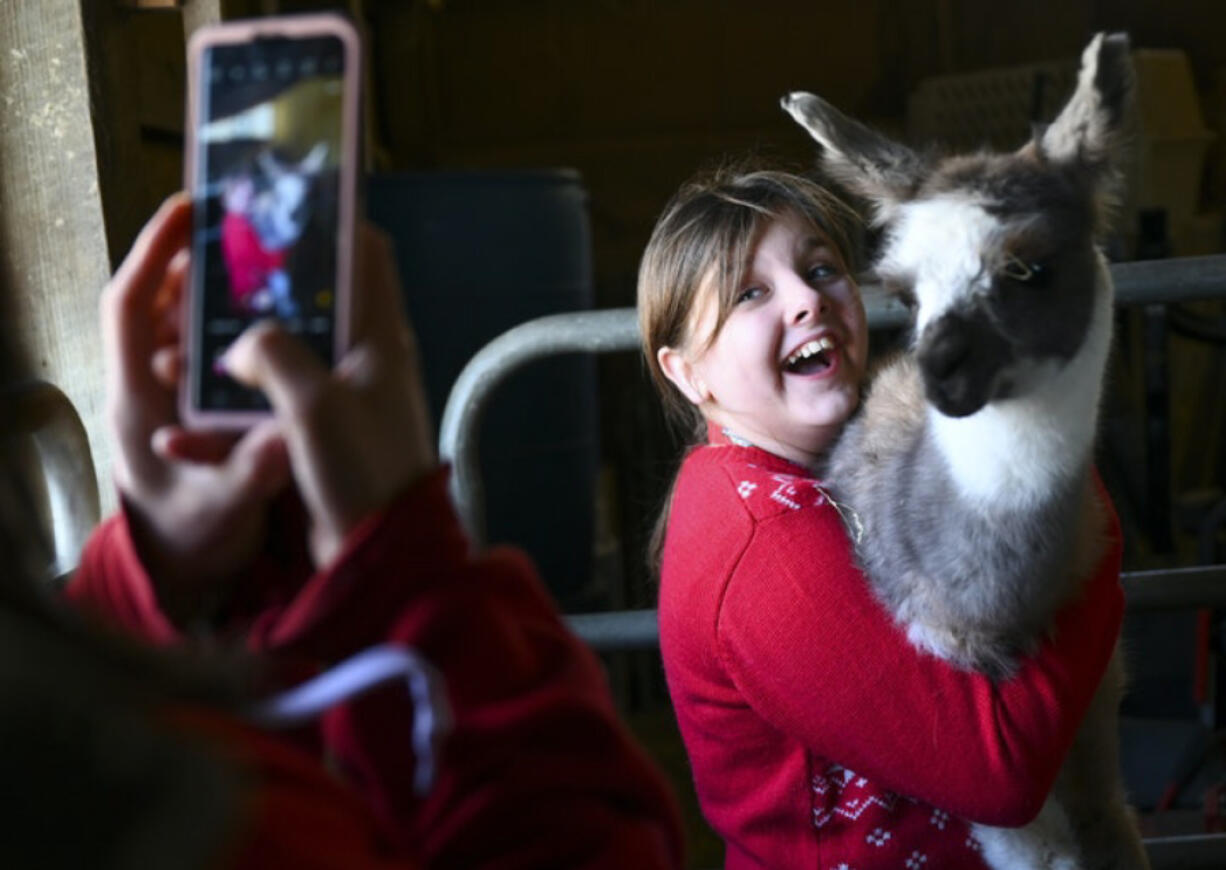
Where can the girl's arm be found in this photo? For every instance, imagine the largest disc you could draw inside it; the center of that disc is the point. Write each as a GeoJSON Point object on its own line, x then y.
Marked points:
{"type": "Point", "coordinates": [819, 658]}
{"type": "Point", "coordinates": [113, 585]}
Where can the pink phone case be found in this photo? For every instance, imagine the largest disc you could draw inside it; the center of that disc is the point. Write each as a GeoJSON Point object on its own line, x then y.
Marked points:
{"type": "Point", "coordinates": [289, 27]}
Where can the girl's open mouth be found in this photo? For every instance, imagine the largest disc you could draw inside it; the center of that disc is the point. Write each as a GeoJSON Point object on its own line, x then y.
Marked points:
{"type": "Point", "coordinates": [812, 357]}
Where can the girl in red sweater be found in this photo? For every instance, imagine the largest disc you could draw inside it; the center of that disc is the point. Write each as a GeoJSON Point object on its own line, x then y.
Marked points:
{"type": "Point", "coordinates": [818, 736]}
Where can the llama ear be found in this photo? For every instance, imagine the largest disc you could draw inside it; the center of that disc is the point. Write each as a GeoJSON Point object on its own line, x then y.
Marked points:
{"type": "Point", "coordinates": [1087, 132]}
{"type": "Point", "coordinates": [314, 160]}
{"type": "Point", "coordinates": [883, 171]}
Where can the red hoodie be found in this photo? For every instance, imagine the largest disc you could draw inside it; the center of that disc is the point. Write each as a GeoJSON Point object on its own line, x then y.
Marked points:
{"type": "Point", "coordinates": [536, 770]}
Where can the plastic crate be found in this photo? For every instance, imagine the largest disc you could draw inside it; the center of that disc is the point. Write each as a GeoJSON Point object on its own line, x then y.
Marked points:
{"type": "Point", "coordinates": [995, 109]}
{"type": "Point", "coordinates": [989, 109]}
{"type": "Point", "coordinates": [1172, 138]}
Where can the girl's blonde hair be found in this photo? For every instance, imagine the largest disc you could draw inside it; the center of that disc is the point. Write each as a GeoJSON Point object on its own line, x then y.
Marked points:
{"type": "Point", "coordinates": [705, 237]}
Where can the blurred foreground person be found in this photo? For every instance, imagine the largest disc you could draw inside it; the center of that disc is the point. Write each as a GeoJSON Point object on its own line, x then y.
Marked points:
{"type": "Point", "coordinates": [282, 653]}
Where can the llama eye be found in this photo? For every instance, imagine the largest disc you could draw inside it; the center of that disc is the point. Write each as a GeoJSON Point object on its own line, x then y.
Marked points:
{"type": "Point", "coordinates": [1031, 273]}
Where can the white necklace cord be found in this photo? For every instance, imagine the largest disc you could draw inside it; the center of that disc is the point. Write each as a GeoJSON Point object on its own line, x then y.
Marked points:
{"type": "Point", "coordinates": [357, 675]}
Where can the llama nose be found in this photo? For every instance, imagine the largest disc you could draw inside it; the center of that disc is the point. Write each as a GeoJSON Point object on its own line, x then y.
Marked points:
{"type": "Point", "coordinates": [946, 352]}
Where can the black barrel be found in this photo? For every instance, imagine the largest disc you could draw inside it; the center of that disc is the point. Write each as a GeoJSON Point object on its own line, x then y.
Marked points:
{"type": "Point", "coordinates": [479, 253]}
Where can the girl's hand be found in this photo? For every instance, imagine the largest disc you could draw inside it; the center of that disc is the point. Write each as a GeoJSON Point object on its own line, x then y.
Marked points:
{"type": "Point", "coordinates": [356, 436]}
{"type": "Point", "coordinates": [196, 501]}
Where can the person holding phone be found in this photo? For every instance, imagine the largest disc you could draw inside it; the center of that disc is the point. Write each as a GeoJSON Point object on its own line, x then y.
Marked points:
{"type": "Point", "coordinates": [321, 531]}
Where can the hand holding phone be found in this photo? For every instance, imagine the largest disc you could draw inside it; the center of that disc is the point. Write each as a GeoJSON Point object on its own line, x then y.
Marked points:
{"type": "Point", "coordinates": [196, 501]}
{"type": "Point", "coordinates": [271, 167]}
{"type": "Point", "coordinates": [359, 435]}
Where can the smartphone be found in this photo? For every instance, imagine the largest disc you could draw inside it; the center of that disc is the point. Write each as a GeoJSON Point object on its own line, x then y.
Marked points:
{"type": "Point", "coordinates": [271, 163]}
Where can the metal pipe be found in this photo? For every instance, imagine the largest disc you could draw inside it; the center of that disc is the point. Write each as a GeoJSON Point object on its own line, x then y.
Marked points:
{"type": "Point", "coordinates": [607, 331]}
{"type": "Point", "coordinates": [43, 428]}
{"type": "Point", "coordinates": [1170, 589]}
{"type": "Point", "coordinates": [616, 329]}
{"type": "Point", "coordinates": [1176, 588]}
{"type": "Point", "coordinates": [1183, 279]}
{"type": "Point", "coordinates": [617, 630]}
{"type": "Point", "coordinates": [459, 433]}
{"type": "Point", "coordinates": [1189, 852]}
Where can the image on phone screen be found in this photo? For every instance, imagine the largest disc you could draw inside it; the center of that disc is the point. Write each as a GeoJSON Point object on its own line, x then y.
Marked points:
{"type": "Point", "coordinates": [266, 179]}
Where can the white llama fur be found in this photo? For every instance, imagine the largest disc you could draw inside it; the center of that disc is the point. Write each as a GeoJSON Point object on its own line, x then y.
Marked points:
{"type": "Point", "coordinates": [1017, 449]}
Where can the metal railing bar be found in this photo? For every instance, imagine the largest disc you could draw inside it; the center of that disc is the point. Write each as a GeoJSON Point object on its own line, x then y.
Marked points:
{"type": "Point", "coordinates": [1176, 588]}
{"type": "Point", "coordinates": [616, 329]}
{"type": "Point", "coordinates": [1170, 589]}
{"type": "Point", "coordinates": [1185, 279]}
{"type": "Point", "coordinates": [617, 630]}
{"type": "Point", "coordinates": [1188, 852]}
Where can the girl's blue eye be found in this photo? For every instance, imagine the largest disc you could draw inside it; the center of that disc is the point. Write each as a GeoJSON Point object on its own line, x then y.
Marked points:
{"type": "Point", "coordinates": [821, 272]}
{"type": "Point", "coordinates": [749, 294]}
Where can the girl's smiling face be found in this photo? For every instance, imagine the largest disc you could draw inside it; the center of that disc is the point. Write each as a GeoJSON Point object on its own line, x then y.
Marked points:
{"type": "Point", "coordinates": [784, 371]}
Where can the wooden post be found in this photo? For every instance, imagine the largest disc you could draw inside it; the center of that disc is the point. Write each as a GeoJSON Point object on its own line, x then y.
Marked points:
{"type": "Point", "coordinates": [53, 246]}
{"type": "Point", "coordinates": [198, 12]}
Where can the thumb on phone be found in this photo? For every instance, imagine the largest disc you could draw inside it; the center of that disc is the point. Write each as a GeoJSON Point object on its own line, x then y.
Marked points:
{"type": "Point", "coordinates": [351, 434]}
{"type": "Point", "coordinates": [269, 359]}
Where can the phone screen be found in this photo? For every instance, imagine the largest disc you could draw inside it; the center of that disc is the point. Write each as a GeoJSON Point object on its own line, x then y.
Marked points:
{"type": "Point", "coordinates": [265, 240]}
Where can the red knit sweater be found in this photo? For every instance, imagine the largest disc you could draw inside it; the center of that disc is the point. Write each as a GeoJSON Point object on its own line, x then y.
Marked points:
{"type": "Point", "coordinates": [818, 736]}
{"type": "Point", "coordinates": [535, 771]}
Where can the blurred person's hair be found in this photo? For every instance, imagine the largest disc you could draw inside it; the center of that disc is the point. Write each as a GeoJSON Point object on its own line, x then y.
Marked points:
{"type": "Point", "coordinates": [94, 773]}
